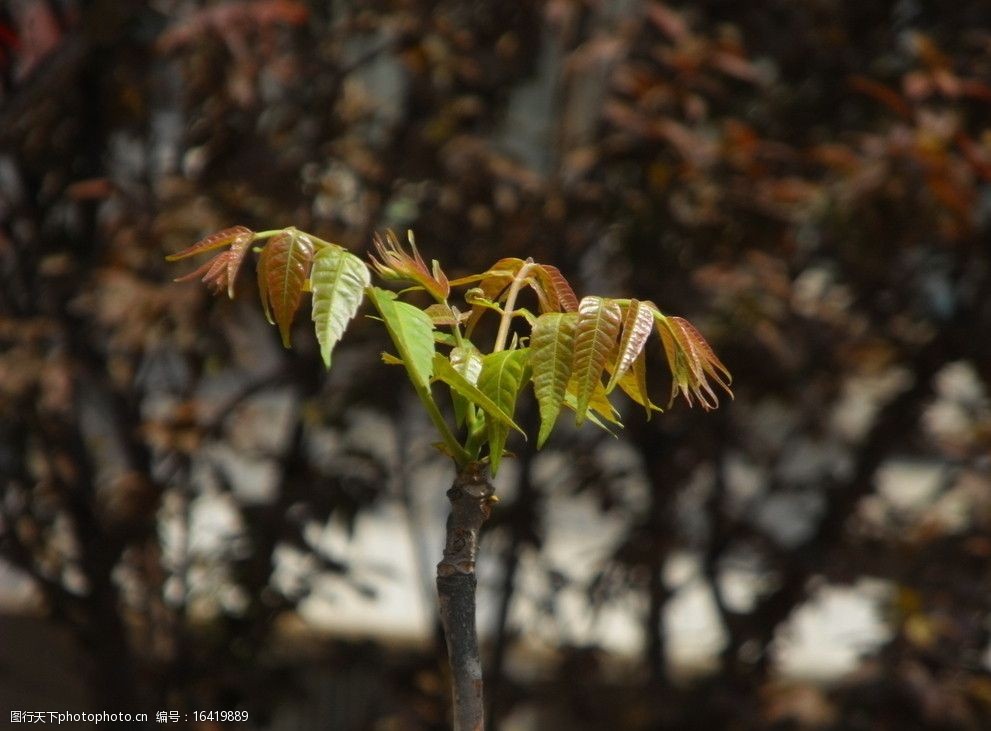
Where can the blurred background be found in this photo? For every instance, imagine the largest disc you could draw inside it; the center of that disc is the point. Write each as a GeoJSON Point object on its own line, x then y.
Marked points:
{"type": "Point", "coordinates": [194, 519]}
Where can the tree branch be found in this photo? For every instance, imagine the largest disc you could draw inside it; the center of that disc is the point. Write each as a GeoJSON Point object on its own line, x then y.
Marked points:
{"type": "Point", "coordinates": [471, 499]}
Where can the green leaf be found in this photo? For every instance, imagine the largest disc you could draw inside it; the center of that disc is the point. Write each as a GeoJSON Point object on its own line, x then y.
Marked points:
{"type": "Point", "coordinates": [634, 384]}
{"type": "Point", "coordinates": [412, 332]}
{"type": "Point", "coordinates": [552, 343]}
{"type": "Point", "coordinates": [467, 361]}
{"type": "Point", "coordinates": [445, 371]}
{"type": "Point", "coordinates": [595, 337]}
{"type": "Point", "coordinates": [502, 376]}
{"type": "Point", "coordinates": [445, 338]}
{"type": "Point", "coordinates": [598, 402]}
{"type": "Point", "coordinates": [338, 281]}
{"type": "Point", "coordinates": [287, 265]}
{"type": "Point", "coordinates": [444, 315]}
{"type": "Point", "coordinates": [571, 402]}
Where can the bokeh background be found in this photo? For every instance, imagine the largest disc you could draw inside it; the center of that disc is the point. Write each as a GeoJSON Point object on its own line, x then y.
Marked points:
{"type": "Point", "coordinates": [193, 518]}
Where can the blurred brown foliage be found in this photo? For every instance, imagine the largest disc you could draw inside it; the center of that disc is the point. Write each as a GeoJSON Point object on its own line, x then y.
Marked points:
{"type": "Point", "coordinates": [809, 181]}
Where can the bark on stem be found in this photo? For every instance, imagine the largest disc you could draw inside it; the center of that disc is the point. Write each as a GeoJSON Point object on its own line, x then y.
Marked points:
{"type": "Point", "coordinates": [471, 499]}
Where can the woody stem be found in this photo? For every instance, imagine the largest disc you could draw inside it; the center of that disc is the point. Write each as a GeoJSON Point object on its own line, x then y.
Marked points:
{"type": "Point", "coordinates": [471, 498]}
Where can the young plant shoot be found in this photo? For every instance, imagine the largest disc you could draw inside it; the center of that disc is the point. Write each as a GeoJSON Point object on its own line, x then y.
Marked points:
{"type": "Point", "coordinates": [577, 353]}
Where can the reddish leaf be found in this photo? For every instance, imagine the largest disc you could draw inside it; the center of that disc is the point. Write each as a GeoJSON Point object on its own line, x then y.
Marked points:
{"type": "Point", "coordinates": [553, 290]}
{"type": "Point", "coordinates": [493, 283]}
{"type": "Point", "coordinates": [692, 362]}
{"type": "Point", "coordinates": [395, 263]}
{"type": "Point", "coordinates": [220, 272]}
{"type": "Point", "coordinates": [214, 241]}
{"type": "Point", "coordinates": [239, 248]}
{"type": "Point", "coordinates": [214, 272]}
{"type": "Point", "coordinates": [502, 272]}
{"type": "Point", "coordinates": [638, 321]}
{"type": "Point", "coordinates": [287, 265]}
{"type": "Point", "coordinates": [675, 360]}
